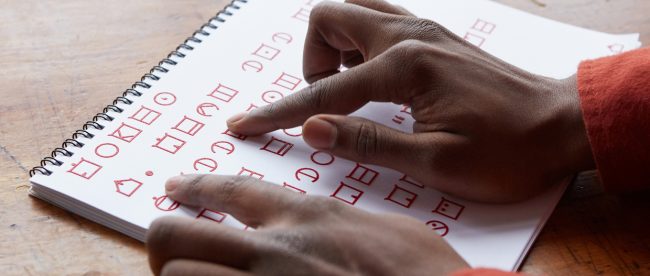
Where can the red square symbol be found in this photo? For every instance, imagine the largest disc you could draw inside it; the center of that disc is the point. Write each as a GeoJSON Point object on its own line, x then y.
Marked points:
{"type": "Point", "coordinates": [189, 126]}
{"type": "Point", "coordinates": [449, 209]}
{"type": "Point", "coordinates": [234, 135]}
{"type": "Point", "coordinates": [363, 174]}
{"type": "Point", "coordinates": [483, 26]}
{"type": "Point", "coordinates": [126, 133]}
{"type": "Point", "coordinates": [277, 146]}
{"type": "Point", "coordinates": [402, 196]}
{"type": "Point", "coordinates": [85, 168]}
{"type": "Point", "coordinates": [169, 143]}
{"type": "Point", "coordinates": [223, 93]}
{"type": "Point", "coordinates": [287, 81]}
{"type": "Point", "coordinates": [145, 115]}
{"type": "Point", "coordinates": [266, 52]}
{"type": "Point", "coordinates": [208, 214]}
{"type": "Point", "coordinates": [347, 194]}
{"type": "Point", "coordinates": [474, 39]}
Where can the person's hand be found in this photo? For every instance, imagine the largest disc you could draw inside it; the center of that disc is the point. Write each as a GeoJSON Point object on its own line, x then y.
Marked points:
{"type": "Point", "coordinates": [295, 235]}
{"type": "Point", "coordinates": [484, 130]}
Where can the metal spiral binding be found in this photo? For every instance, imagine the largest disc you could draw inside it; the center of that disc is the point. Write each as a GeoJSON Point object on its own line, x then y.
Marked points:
{"type": "Point", "coordinates": [180, 52]}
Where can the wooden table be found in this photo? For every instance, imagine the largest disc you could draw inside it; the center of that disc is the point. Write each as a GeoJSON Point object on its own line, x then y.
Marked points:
{"type": "Point", "coordinates": [62, 61]}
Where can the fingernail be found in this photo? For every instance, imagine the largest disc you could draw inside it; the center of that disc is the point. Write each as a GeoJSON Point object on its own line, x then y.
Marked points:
{"type": "Point", "coordinates": [236, 118]}
{"type": "Point", "coordinates": [319, 133]}
{"type": "Point", "coordinates": [173, 183]}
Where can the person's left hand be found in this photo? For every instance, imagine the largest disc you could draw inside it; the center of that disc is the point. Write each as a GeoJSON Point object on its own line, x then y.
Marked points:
{"type": "Point", "coordinates": [295, 235]}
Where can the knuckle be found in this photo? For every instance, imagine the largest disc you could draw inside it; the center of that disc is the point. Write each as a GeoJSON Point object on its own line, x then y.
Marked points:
{"type": "Point", "coordinates": [411, 48]}
{"type": "Point", "coordinates": [322, 11]}
{"type": "Point", "coordinates": [195, 187]}
{"type": "Point", "coordinates": [366, 142]}
{"type": "Point", "coordinates": [316, 96]}
{"type": "Point", "coordinates": [231, 189]}
{"type": "Point", "coordinates": [425, 29]}
{"type": "Point", "coordinates": [325, 205]}
{"type": "Point", "coordinates": [160, 233]}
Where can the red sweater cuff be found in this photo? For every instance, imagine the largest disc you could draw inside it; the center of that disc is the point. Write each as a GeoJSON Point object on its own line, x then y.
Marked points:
{"type": "Point", "coordinates": [615, 100]}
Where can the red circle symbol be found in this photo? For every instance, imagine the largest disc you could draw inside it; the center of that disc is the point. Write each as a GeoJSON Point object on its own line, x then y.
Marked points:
{"type": "Point", "coordinates": [164, 98]}
{"type": "Point", "coordinates": [148, 173]}
{"type": "Point", "coordinates": [107, 150]}
{"type": "Point", "coordinates": [329, 159]}
{"type": "Point", "coordinates": [439, 227]}
{"type": "Point", "coordinates": [165, 204]}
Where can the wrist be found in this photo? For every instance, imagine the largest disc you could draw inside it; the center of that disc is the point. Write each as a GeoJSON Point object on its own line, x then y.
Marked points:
{"type": "Point", "coordinates": [576, 148]}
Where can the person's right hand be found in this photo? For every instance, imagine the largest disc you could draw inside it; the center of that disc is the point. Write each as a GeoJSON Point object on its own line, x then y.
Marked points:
{"type": "Point", "coordinates": [485, 130]}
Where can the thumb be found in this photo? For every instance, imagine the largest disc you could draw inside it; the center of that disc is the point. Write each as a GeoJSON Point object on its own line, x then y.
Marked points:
{"type": "Point", "coordinates": [364, 141]}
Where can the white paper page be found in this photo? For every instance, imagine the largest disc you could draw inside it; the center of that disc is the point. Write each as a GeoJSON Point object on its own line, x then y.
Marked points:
{"type": "Point", "coordinates": [122, 169]}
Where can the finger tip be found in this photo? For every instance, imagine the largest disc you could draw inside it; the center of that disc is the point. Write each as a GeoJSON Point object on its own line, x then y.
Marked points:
{"type": "Point", "coordinates": [319, 133]}
{"type": "Point", "coordinates": [173, 183]}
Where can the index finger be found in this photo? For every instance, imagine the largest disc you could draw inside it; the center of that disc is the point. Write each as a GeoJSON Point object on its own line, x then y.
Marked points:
{"type": "Point", "coordinates": [252, 201]}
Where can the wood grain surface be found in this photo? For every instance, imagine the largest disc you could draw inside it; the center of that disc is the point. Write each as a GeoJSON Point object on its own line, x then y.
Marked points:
{"type": "Point", "coordinates": [62, 61]}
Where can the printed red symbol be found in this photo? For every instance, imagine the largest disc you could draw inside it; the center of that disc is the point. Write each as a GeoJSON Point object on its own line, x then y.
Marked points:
{"type": "Point", "coordinates": [293, 188]}
{"type": "Point", "coordinates": [251, 107]}
{"type": "Point", "coordinates": [169, 143]}
{"type": "Point", "coordinates": [322, 158]}
{"type": "Point", "coordinates": [402, 196]}
{"type": "Point", "coordinates": [166, 204]}
{"type": "Point", "coordinates": [406, 109]}
{"type": "Point", "coordinates": [285, 37]}
{"type": "Point", "coordinates": [127, 186]}
{"type": "Point", "coordinates": [483, 26]}
{"type": "Point", "coordinates": [266, 52]}
{"type": "Point", "coordinates": [439, 227]}
{"type": "Point", "coordinates": [347, 194]}
{"type": "Point", "coordinates": [234, 135]}
{"type": "Point", "coordinates": [164, 98]}
{"type": "Point", "coordinates": [252, 64]}
{"type": "Point", "coordinates": [271, 96]}
{"type": "Point", "coordinates": [145, 115]}
{"type": "Point", "coordinates": [223, 93]}
{"type": "Point", "coordinates": [189, 126]}
{"type": "Point", "coordinates": [208, 163]}
{"type": "Point", "coordinates": [449, 209]}
{"type": "Point", "coordinates": [227, 146]}
{"type": "Point", "coordinates": [211, 215]}
{"type": "Point", "coordinates": [247, 172]}
{"type": "Point", "coordinates": [474, 39]}
{"type": "Point", "coordinates": [398, 119]}
{"type": "Point", "coordinates": [85, 168]}
{"type": "Point", "coordinates": [616, 48]}
{"type": "Point", "coordinates": [363, 174]}
{"type": "Point", "coordinates": [293, 132]}
{"type": "Point", "coordinates": [277, 146]}
{"type": "Point", "coordinates": [407, 179]}
{"type": "Point", "coordinates": [302, 15]}
{"type": "Point", "coordinates": [307, 172]}
{"type": "Point", "coordinates": [148, 173]}
{"type": "Point", "coordinates": [287, 81]}
{"type": "Point", "coordinates": [202, 109]}
{"type": "Point", "coordinates": [107, 150]}
{"type": "Point", "coordinates": [126, 133]}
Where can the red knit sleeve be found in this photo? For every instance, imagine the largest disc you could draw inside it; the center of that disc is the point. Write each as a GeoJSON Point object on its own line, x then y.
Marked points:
{"type": "Point", "coordinates": [615, 100]}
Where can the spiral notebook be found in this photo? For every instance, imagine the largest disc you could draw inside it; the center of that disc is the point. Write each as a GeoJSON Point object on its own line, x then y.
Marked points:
{"type": "Point", "coordinates": [172, 121]}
